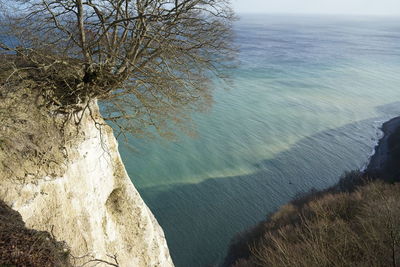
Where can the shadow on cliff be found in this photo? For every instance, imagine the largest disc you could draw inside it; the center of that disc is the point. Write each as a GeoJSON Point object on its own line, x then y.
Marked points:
{"type": "Point", "coordinates": [199, 220]}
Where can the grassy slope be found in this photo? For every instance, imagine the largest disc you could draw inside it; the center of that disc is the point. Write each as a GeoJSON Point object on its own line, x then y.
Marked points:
{"type": "Point", "coordinates": [355, 223]}
{"type": "Point", "coordinates": [361, 228]}
{"type": "Point", "coordinates": [20, 246]}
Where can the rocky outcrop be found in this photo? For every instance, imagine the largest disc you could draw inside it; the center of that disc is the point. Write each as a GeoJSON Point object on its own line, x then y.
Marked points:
{"type": "Point", "coordinates": [385, 162]}
{"type": "Point", "coordinates": [92, 205]}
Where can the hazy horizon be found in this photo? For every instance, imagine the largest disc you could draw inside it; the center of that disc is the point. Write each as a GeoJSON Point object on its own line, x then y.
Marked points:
{"type": "Point", "coordinates": [316, 14]}
{"type": "Point", "coordinates": [319, 7]}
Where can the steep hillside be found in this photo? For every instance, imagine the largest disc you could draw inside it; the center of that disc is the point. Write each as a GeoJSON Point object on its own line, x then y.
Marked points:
{"type": "Point", "coordinates": [65, 176]}
{"type": "Point", "coordinates": [21, 246]}
{"type": "Point", "coordinates": [354, 223]}
{"type": "Point", "coordinates": [361, 228]}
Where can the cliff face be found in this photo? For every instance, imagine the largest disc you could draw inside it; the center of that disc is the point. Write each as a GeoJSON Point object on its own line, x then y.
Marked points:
{"type": "Point", "coordinates": [385, 162]}
{"type": "Point", "coordinates": [93, 205]}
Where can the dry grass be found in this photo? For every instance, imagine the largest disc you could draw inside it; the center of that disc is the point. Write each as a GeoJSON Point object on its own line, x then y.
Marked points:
{"type": "Point", "coordinates": [20, 246]}
{"type": "Point", "coordinates": [361, 228]}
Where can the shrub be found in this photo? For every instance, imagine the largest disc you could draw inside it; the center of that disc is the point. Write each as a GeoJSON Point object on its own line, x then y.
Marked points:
{"type": "Point", "coordinates": [361, 228]}
{"type": "Point", "coordinates": [20, 246]}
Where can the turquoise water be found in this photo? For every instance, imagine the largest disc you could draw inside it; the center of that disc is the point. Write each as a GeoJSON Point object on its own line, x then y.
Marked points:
{"type": "Point", "coordinates": [306, 104]}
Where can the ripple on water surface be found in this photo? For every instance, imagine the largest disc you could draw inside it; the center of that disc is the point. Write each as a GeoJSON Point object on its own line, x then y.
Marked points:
{"type": "Point", "coordinates": [305, 106]}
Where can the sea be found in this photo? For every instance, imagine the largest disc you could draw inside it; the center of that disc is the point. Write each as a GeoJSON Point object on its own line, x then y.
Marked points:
{"type": "Point", "coordinates": [306, 104]}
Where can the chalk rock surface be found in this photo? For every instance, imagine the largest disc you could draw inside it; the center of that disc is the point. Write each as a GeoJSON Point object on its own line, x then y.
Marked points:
{"type": "Point", "coordinates": [93, 205]}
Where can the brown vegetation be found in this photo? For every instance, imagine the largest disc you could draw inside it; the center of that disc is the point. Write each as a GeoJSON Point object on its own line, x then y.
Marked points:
{"type": "Point", "coordinates": [151, 62]}
{"type": "Point", "coordinates": [359, 228]}
{"type": "Point", "coordinates": [20, 246]}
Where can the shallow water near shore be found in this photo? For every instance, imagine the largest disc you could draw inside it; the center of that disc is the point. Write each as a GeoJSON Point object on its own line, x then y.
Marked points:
{"type": "Point", "coordinates": [306, 105]}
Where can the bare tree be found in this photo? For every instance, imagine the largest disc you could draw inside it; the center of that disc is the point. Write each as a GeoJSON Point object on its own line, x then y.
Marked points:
{"type": "Point", "coordinates": [151, 62]}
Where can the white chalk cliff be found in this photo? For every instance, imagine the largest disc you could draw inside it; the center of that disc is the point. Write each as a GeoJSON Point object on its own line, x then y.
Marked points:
{"type": "Point", "coordinates": [93, 205]}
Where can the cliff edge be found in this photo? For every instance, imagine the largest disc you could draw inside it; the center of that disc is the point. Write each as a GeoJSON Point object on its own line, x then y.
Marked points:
{"type": "Point", "coordinates": [88, 200]}
{"type": "Point", "coordinates": [353, 223]}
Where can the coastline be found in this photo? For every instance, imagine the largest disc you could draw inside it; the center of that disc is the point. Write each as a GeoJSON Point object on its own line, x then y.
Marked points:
{"type": "Point", "coordinates": [383, 165]}
{"type": "Point", "coordinates": [384, 159]}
